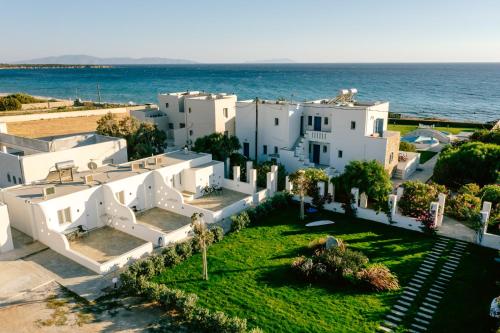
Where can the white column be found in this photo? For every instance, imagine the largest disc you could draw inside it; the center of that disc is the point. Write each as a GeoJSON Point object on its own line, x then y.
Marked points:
{"type": "Point", "coordinates": [321, 188]}
{"type": "Point", "coordinates": [249, 166]}
{"type": "Point", "coordinates": [486, 207]}
{"type": "Point", "coordinates": [274, 170]}
{"type": "Point", "coordinates": [252, 178]}
{"type": "Point", "coordinates": [227, 167]}
{"type": "Point", "coordinates": [485, 216]}
{"type": "Point", "coordinates": [3, 129]}
{"type": "Point", "coordinates": [399, 192]}
{"type": "Point", "coordinates": [355, 194]}
{"type": "Point", "coordinates": [236, 173]}
{"type": "Point", "coordinates": [442, 202]}
{"type": "Point", "coordinates": [393, 199]}
{"type": "Point", "coordinates": [269, 183]}
{"type": "Point", "coordinates": [288, 184]}
{"type": "Point", "coordinates": [363, 200]}
{"type": "Point", "coordinates": [434, 209]}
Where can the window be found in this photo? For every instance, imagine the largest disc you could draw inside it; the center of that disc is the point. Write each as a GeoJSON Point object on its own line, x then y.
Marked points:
{"type": "Point", "coordinates": [353, 125]}
{"type": "Point", "coordinates": [181, 109]}
{"type": "Point", "coordinates": [340, 154]}
{"type": "Point", "coordinates": [189, 110]}
{"type": "Point", "coordinates": [14, 178]}
{"type": "Point", "coordinates": [170, 126]}
{"type": "Point", "coordinates": [325, 149]}
{"type": "Point", "coordinates": [275, 149]}
{"type": "Point", "coordinates": [326, 120]}
{"type": "Point", "coordinates": [276, 121]}
{"type": "Point", "coordinates": [19, 180]}
{"type": "Point", "coordinates": [391, 157]}
{"type": "Point", "coordinates": [191, 132]}
{"type": "Point", "coordinates": [225, 111]}
{"type": "Point", "coordinates": [309, 120]}
{"type": "Point", "coordinates": [64, 215]}
{"type": "Point", "coordinates": [182, 125]}
{"type": "Point", "coordinates": [166, 105]}
{"type": "Point", "coordinates": [264, 148]}
{"type": "Point", "coordinates": [8, 177]}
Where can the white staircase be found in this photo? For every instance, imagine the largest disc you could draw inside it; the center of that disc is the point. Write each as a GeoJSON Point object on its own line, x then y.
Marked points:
{"type": "Point", "coordinates": [299, 152]}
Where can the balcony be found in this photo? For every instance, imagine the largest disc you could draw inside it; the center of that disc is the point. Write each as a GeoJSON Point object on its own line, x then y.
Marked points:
{"type": "Point", "coordinates": [319, 136]}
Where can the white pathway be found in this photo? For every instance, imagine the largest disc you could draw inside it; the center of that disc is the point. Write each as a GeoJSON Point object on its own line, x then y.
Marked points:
{"type": "Point", "coordinates": [425, 290]}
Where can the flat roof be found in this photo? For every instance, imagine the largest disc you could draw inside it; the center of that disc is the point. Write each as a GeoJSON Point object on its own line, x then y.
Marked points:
{"type": "Point", "coordinates": [102, 175]}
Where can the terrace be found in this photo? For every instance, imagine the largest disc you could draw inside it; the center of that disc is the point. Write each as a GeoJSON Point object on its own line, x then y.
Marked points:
{"type": "Point", "coordinates": [162, 220]}
{"type": "Point", "coordinates": [105, 244]}
{"type": "Point", "coordinates": [218, 201]}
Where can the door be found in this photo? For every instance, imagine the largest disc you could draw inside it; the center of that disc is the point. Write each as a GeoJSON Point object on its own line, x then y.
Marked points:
{"type": "Point", "coordinates": [301, 125]}
{"type": "Point", "coordinates": [315, 153]}
{"type": "Point", "coordinates": [246, 149]}
{"type": "Point", "coordinates": [379, 126]}
{"type": "Point", "coordinates": [317, 123]}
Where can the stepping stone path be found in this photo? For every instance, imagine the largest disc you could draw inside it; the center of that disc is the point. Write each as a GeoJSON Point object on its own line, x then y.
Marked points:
{"type": "Point", "coordinates": [429, 296]}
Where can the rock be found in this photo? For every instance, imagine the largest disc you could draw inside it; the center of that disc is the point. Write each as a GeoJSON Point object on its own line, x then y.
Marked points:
{"type": "Point", "coordinates": [331, 242]}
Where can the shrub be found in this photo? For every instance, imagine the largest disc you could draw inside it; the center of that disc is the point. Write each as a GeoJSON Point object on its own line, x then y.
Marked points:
{"type": "Point", "coordinates": [170, 257]}
{"type": "Point", "coordinates": [240, 221]}
{"type": "Point", "coordinates": [463, 207]}
{"type": "Point", "coordinates": [9, 103]}
{"type": "Point", "coordinates": [417, 197]}
{"type": "Point", "coordinates": [265, 167]}
{"type": "Point", "coordinates": [471, 188]}
{"type": "Point", "coordinates": [486, 136]}
{"type": "Point", "coordinates": [343, 262]}
{"type": "Point", "coordinates": [377, 277]}
{"type": "Point", "coordinates": [184, 250]}
{"type": "Point", "coordinates": [428, 224]}
{"type": "Point", "coordinates": [491, 193]}
{"type": "Point", "coordinates": [406, 146]}
{"type": "Point", "coordinates": [472, 162]}
{"type": "Point", "coordinates": [218, 233]}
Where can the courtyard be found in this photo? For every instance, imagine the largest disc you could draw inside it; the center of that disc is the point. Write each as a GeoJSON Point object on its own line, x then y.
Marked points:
{"type": "Point", "coordinates": [250, 277]}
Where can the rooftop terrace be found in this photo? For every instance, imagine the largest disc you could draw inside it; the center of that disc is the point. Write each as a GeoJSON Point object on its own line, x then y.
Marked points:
{"type": "Point", "coordinates": [102, 175]}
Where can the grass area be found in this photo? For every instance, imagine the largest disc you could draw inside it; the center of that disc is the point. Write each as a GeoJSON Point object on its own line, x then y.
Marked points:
{"type": "Point", "coordinates": [250, 275]}
{"type": "Point", "coordinates": [404, 129]}
{"type": "Point", "coordinates": [54, 127]}
{"type": "Point", "coordinates": [426, 155]}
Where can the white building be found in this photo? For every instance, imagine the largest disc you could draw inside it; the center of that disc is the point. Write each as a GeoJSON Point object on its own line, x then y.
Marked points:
{"type": "Point", "coordinates": [106, 217]}
{"type": "Point", "coordinates": [196, 114]}
{"type": "Point", "coordinates": [323, 133]}
{"type": "Point", "coordinates": [25, 160]}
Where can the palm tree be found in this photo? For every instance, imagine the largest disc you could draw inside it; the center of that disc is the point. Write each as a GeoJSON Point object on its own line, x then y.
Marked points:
{"type": "Point", "coordinates": [300, 185]}
{"type": "Point", "coordinates": [202, 235]}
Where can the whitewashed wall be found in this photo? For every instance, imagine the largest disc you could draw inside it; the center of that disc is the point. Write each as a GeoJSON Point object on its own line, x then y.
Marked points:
{"type": "Point", "coordinates": [6, 243]}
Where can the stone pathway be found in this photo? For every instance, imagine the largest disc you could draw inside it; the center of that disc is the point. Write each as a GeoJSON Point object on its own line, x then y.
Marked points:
{"type": "Point", "coordinates": [420, 299]}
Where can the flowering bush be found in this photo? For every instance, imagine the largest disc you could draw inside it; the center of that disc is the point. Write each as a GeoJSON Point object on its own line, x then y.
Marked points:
{"type": "Point", "coordinates": [463, 207]}
{"type": "Point", "coordinates": [417, 197]}
{"type": "Point", "coordinates": [377, 278]}
{"type": "Point", "coordinates": [428, 223]}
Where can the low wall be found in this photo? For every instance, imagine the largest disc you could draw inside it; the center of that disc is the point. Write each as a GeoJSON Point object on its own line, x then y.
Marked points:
{"type": "Point", "coordinates": [491, 241]}
{"type": "Point", "coordinates": [66, 114]}
{"type": "Point", "coordinates": [46, 105]}
{"type": "Point", "coordinates": [237, 186]}
{"type": "Point", "coordinates": [5, 233]}
{"type": "Point", "coordinates": [126, 258]}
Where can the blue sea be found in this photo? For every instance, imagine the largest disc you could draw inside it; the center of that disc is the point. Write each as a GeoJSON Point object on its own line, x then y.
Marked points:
{"type": "Point", "coordinates": [453, 91]}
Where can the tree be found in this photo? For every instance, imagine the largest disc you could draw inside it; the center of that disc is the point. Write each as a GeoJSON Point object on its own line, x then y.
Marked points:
{"type": "Point", "coordinates": [265, 167]}
{"type": "Point", "coordinates": [300, 187]}
{"type": "Point", "coordinates": [486, 136]}
{"type": "Point", "coordinates": [202, 236]}
{"type": "Point", "coordinates": [417, 197]}
{"type": "Point", "coordinates": [219, 145]}
{"type": "Point", "coordinates": [472, 162]}
{"type": "Point", "coordinates": [369, 177]}
{"type": "Point", "coordinates": [406, 146]}
{"type": "Point", "coordinates": [143, 139]}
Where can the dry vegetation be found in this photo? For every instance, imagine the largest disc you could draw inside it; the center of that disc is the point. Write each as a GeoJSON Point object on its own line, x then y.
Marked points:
{"type": "Point", "coordinates": [54, 127]}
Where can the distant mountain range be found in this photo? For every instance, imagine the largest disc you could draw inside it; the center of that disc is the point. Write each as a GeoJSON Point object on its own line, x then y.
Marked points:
{"type": "Point", "coordinates": [81, 59]}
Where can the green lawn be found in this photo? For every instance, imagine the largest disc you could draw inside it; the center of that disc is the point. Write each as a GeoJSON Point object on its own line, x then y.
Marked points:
{"type": "Point", "coordinates": [250, 276]}
{"type": "Point", "coordinates": [426, 155]}
{"type": "Point", "coordinates": [404, 129]}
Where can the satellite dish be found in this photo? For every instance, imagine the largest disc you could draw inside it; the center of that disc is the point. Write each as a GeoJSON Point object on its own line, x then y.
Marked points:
{"type": "Point", "coordinates": [92, 165]}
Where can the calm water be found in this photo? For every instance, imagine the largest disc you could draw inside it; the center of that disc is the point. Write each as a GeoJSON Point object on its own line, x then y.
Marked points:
{"type": "Point", "coordinates": [457, 91]}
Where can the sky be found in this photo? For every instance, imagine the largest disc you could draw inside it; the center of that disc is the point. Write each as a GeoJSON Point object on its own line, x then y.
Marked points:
{"type": "Point", "coordinates": [225, 31]}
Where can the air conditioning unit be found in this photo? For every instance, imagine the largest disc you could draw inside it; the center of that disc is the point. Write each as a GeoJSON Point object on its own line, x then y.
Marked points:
{"type": "Point", "coordinates": [88, 179]}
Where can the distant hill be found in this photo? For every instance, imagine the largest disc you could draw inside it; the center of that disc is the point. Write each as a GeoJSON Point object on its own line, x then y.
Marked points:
{"type": "Point", "coordinates": [272, 61]}
{"type": "Point", "coordinates": [90, 60]}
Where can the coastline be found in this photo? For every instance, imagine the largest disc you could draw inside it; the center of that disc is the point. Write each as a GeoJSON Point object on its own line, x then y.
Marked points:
{"type": "Point", "coordinates": [49, 66]}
